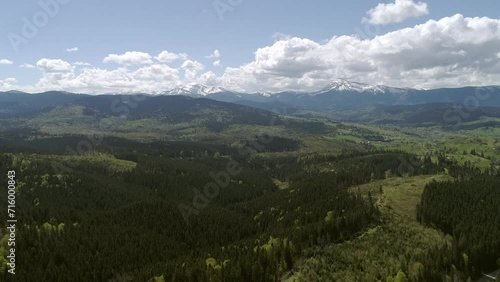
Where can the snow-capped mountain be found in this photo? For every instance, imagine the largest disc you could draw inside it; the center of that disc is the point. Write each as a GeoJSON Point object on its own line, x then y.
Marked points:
{"type": "Point", "coordinates": [195, 89]}
{"type": "Point", "coordinates": [341, 85]}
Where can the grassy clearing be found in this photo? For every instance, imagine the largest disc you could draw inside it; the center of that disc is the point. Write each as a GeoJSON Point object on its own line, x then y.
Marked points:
{"type": "Point", "coordinates": [400, 194]}
{"type": "Point", "coordinates": [380, 252]}
{"type": "Point", "coordinates": [376, 255]}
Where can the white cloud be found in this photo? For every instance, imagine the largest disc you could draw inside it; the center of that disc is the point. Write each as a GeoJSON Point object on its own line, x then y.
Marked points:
{"type": "Point", "coordinates": [54, 66]}
{"type": "Point", "coordinates": [450, 52]}
{"type": "Point", "coordinates": [453, 51]}
{"type": "Point", "coordinates": [74, 49]}
{"type": "Point", "coordinates": [192, 68]}
{"type": "Point", "coordinates": [129, 58]}
{"type": "Point", "coordinates": [168, 57]}
{"type": "Point", "coordinates": [163, 72]}
{"type": "Point", "coordinates": [61, 75]}
{"type": "Point", "coordinates": [5, 62]}
{"type": "Point", "coordinates": [192, 65]}
{"type": "Point", "coordinates": [209, 79]}
{"type": "Point", "coordinates": [396, 12]}
{"type": "Point", "coordinates": [27, 66]}
{"type": "Point", "coordinates": [214, 55]}
{"type": "Point", "coordinates": [121, 80]}
{"type": "Point", "coordinates": [85, 64]}
{"type": "Point", "coordinates": [55, 73]}
{"type": "Point", "coordinates": [8, 84]}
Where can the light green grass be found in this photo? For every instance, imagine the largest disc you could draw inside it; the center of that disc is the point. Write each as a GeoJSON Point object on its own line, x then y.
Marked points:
{"type": "Point", "coordinates": [380, 251]}
{"type": "Point", "coordinates": [399, 194]}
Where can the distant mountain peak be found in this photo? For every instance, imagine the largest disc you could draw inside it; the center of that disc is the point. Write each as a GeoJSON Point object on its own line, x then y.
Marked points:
{"type": "Point", "coordinates": [195, 89]}
{"type": "Point", "coordinates": [341, 85]}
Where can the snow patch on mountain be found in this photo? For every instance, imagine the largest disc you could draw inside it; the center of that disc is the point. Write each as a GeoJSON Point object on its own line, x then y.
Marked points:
{"type": "Point", "coordinates": [341, 85]}
{"type": "Point", "coordinates": [195, 89]}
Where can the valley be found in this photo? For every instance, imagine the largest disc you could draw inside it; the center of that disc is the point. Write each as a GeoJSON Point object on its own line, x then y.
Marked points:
{"type": "Point", "coordinates": [189, 188]}
{"type": "Point", "coordinates": [250, 141]}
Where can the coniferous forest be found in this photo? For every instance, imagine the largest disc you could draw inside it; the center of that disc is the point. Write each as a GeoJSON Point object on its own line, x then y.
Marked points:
{"type": "Point", "coordinates": [213, 191]}
{"type": "Point", "coordinates": [250, 141]}
{"type": "Point", "coordinates": [467, 209]}
{"type": "Point", "coordinates": [143, 214]}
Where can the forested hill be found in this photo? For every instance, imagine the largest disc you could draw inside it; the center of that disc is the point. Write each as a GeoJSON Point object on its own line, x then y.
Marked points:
{"type": "Point", "coordinates": [177, 188]}
{"type": "Point", "coordinates": [176, 107]}
{"type": "Point", "coordinates": [18, 103]}
{"type": "Point", "coordinates": [328, 100]}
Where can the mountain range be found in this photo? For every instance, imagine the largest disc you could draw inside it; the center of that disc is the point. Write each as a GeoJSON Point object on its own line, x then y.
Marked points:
{"type": "Point", "coordinates": [339, 96]}
{"type": "Point", "coordinates": [348, 95]}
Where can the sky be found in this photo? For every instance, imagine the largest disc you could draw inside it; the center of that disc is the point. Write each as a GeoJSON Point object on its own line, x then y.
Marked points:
{"type": "Point", "coordinates": [151, 46]}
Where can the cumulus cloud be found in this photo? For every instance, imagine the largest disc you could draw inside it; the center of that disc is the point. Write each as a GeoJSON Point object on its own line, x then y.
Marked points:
{"type": "Point", "coordinates": [396, 12]}
{"type": "Point", "coordinates": [163, 72]}
{"type": "Point", "coordinates": [5, 62]}
{"type": "Point", "coordinates": [8, 84]}
{"type": "Point", "coordinates": [192, 65]}
{"type": "Point", "coordinates": [452, 51]}
{"type": "Point", "coordinates": [129, 58]}
{"type": "Point", "coordinates": [74, 49]}
{"type": "Point", "coordinates": [61, 75]}
{"type": "Point", "coordinates": [85, 64]}
{"type": "Point", "coordinates": [214, 55]}
{"type": "Point", "coordinates": [55, 74]}
{"type": "Point", "coordinates": [118, 80]}
{"type": "Point", "coordinates": [209, 79]}
{"type": "Point", "coordinates": [168, 57]}
{"type": "Point", "coordinates": [54, 66]}
{"type": "Point", "coordinates": [27, 66]}
{"type": "Point", "coordinates": [191, 69]}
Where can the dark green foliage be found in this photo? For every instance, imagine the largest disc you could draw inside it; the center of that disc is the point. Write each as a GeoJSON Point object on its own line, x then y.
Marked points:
{"type": "Point", "coordinates": [19, 104]}
{"type": "Point", "coordinates": [174, 109]}
{"type": "Point", "coordinates": [115, 214]}
{"type": "Point", "coordinates": [267, 143]}
{"type": "Point", "coordinates": [98, 222]}
{"type": "Point", "coordinates": [468, 210]}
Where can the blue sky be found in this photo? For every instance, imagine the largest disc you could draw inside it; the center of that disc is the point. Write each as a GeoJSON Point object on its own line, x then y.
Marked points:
{"type": "Point", "coordinates": [298, 41]}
